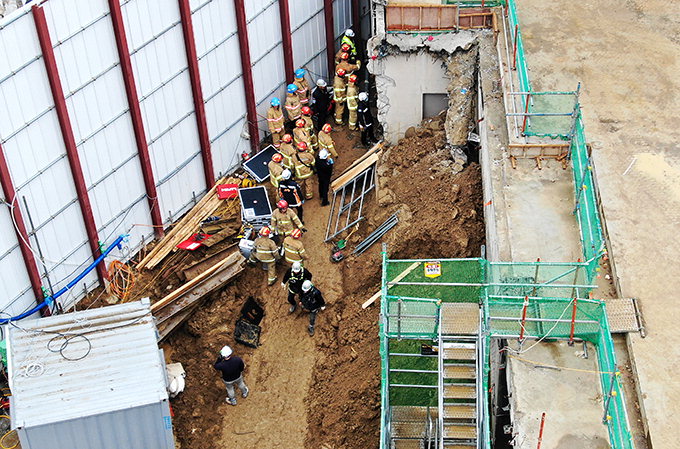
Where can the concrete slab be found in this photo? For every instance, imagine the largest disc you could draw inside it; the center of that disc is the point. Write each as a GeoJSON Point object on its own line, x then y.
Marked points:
{"type": "Point", "coordinates": [556, 379]}
{"type": "Point", "coordinates": [630, 98]}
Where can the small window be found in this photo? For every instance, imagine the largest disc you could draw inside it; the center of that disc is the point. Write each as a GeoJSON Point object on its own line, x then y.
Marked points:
{"type": "Point", "coordinates": [433, 104]}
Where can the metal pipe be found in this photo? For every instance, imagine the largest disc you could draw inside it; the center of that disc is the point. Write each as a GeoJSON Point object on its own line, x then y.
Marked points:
{"type": "Point", "coordinates": [248, 85]}
{"type": "Point", "coordinates": [541, 114]}
{"type": "Point", "coordinates": [542, 320]}
{"type": "Point", "coordinates": [197, 92]}
{"type": "Point", "coordinates": [37, 245]}
{"type": "Point", "coordinates": [286, 39]}
{"type": "Point", "coordinates": [330, 34]}
{"type": "Point", "coordinates": [540, 432]}
{"type": "Point", "coordinates": [67, 134]}
{"type": "Point", "coordinates": [136, 116]}
{"type": "Point", "coordinates": [524, 318]}
{"type": "Point", "coordinates": [573, 323]}
{"type": "Point", "coordinates": [514, 50]}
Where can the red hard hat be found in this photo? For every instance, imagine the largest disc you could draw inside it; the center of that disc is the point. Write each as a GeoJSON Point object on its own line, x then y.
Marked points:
{"type": "Point", "coordinates": [326, 128]}
{"type": "Point", "coordinates": [287, 138]}
{"type": "Point", "coordinates": [302, 146]}
{"type": "Point", "coordinates": [306, 110]}
{"type": "Point", "coordinates": [344, 56]}
{"type": "Point", "coordinates": [282, 204]}
{"type": "Point", "coordinates": [265, 231]}
{"type": "Point", "coordinates": [296, 234]}
{"type": "Point", "coordinates": [352, 78]}
{"type": "Point", "coordinates": [300, 123]}
{"type": "Point", "coordinates": [276, 157]}
{"type": "Point", "coordinates": [341, 72]}
{"type": "Point", "coordinates": [345, 47]}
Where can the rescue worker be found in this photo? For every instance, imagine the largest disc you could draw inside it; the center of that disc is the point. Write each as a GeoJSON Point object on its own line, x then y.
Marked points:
{"type": "Point", "coordinates": [339, 94]}
{"type": "Point", "coordinates": [276, 169]}
{"type": "Point", "coordinates": [300, 133]}
{"type": "Point", "coordinates": [326, 141]}
{"type": "Point", "coordinates": [348, 39]}
{"type": "Point", "coordinates": [324, 170]}
{"type": "Point", "coordinates": [321, 103]}
{"type": "Point", "coordinates": [291, 192]}
{"type": "Point", "coordinates": [352, 101]}
{"type": "Point", "coordinates": [309, 127]}
{"type": "Point", "coordinates": [231, 368]}
{"type": "Point", "coordinates": [313, 302]}
{"type": "Point", "coordinates": [302, 86]}
{"type": "Point", "coordinates": [346, 65]}
{"type": "Point", "coordinates": [304, 169]}
{"type": "Point", "coordinates": [292, 103]}
{"type": "Point", "coordinates": [288, 151]}
{"type": "Point", "coordinates": [284, 220]}
{"type": "Point", "coordinates": [275, 121]}
{"type": "Point", "coordinates": [365, 120]}
{"type": "Point", "coordinates": [294, 278]}
{"type": "Point", "coordinates": [266, 251]}
{"type": "Point", "coordinates": [294, 249]}
{"type": "Point", "coordinates": [344, 48]}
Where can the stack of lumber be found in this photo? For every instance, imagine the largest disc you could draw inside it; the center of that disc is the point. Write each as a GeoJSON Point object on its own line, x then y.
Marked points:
{"type": "Point", "coordinates": [366, 160]}
{"type": "Point", "coordinates": [186, 227]}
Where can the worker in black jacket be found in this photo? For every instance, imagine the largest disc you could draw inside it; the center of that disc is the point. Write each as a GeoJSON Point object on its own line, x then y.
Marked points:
{"type": "Point", "coordinates": [291, 191]}
{"type": "Point", "coordinates": [365, 120]}
{"type": "Point", "coordinates": [312, 301]}
{"type": "Point", "coordinates": [295, 277]}
{"type": "Point", "coordinates": [321, 103]}
{"type": "Point", "coordinates": [324, 170]}
{"type": "Point", "coordinates": [231, 368]}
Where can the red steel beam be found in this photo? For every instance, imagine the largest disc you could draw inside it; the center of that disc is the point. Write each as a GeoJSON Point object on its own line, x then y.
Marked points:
{"type": "Point", "coordinates": [356, 21]}
{"type": "Point", "coordinates": [287, 39]}
{"type": "Point", "coordinates": [199, 104]}
{"type": "Point", "coordinates": [249, 89]}
{"type": "Point", "coordinates": [330, 35]}
{"type": "Point", "coordinates": [20, 230]}
{"type": "Point", "coordinates": [136, 116]}
{"type": "Point", "coordinates": [67, 134]}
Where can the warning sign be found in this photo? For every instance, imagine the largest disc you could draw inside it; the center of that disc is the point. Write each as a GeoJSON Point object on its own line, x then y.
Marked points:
{"type": "Point", "coordinates": [433, 269]}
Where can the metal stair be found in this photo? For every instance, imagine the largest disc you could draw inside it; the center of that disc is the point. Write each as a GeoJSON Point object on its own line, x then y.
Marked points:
{"type": "Point", "coordinates": [412, 427]}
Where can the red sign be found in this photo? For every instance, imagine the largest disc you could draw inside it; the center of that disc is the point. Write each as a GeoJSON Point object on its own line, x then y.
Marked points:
{"type": "Point", "coordinates": [227, 191]}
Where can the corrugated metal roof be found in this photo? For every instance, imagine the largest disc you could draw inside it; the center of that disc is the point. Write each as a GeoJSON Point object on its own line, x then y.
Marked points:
{"type": "Point", "coordinates": [123, 368]}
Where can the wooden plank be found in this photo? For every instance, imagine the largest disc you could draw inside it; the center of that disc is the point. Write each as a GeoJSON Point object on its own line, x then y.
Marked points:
{"type": "Point", "coordinates": [196, 269]}
{"type": "Point", "coordinates": [223, 234]}
{"type": "Point", "coordinates": [347, 176]}
{"type": "Point", "coordinates": [401, 276]}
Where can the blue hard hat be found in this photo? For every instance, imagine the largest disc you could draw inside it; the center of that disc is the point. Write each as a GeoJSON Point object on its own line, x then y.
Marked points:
{"type": "Point", "coordinates": [276, 102]}
{"type": "Point", "coordinates": [300, 73]}
{"type": "Point", "coordinates": [292, 88]}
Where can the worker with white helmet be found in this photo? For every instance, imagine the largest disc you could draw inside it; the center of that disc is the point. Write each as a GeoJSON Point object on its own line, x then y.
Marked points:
{"type": "Point", "coordinates": [313, 302]}
{"type": "Point", "coordinates": [291, 193]}
{"type": "Point", "coordinates": [365, 119]}
{"type": "Point", "coordinates": [324, 170]}
{"type": "Point", "coordinates": [294, 277]}
{"type": "Point", "coordinates": [231, 367]}
{"type": "Point", "coordinates": [321, 102]}
{"type": "Point", "coordinates": [348, 39]}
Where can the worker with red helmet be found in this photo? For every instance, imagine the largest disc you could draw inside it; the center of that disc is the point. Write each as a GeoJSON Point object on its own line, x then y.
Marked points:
{"type": "Point", "coordinates": [275, 121]}
{"type": "Point", "coordinates": [339, 94]}
{"type": "Point", "coordinates": [346, 65]}
{"type": "Point", "coordinates": [300, 133]}
{"type": "Point", "coordinates": [293, 248]}
{"type": "Point", "coordinates": [276, 169]}
{"type": "Point", "coordinates": [284, 220]}
{"type": "Point", "coordinates": [352, 101]}
{"type": "Point", "coordinates": [309, 127]}
{"type": "Point", "coordinates": [291, 192]}
{"type": "Point", "coordinates": [302, 86]}
{"type": "Point", "coordinates": [326, 141]}
{"type": "Point", "coordinates": [344, 48]}
{"type": "Point", "coordinates": [288, 151]}
{"type": "Point", "coordinates": [304, 168]}
{"type": "Point", "coordinates": [292, 103]}
{"type": "Point", "coordinates": [266, 252]}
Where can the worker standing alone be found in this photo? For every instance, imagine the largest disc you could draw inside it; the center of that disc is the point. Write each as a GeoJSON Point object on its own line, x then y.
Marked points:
{"type": "Point", "coordinates": [275, 169]}
{"type": "Point", "coordinates": [294, 278]}
{"type": "Point", "coordinates": [275, 121]}
{"type": "Point", "coordinates": [266, 252]}
{"type": "Point", "coordinates": [352, 101]}
{"type": "Point", "coordinates": [292, 103]}
{"type": "Point", "coordinates": [294, 249]}
{"type": "Point", "coordinates": [231, 367]}
{"type": "Point", "coordinates": [324, 170]}
{"type": "Point", "coordinates": [302, 86]}
{"type": "Point", "coordinates": [291, 192]}
{"type": "Point", "coordinates": [313, 302]}
{"type": "Point", "coordinates": [326, 141]}
{"type": "Point", "coordinates": [304, 169]}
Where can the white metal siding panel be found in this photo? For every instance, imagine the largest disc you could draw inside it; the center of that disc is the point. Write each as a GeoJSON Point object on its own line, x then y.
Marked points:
{"type": "Point", "coordinates": [342, 16]}
{"type": "Point", "coordinates": [309, 41]}
{"type": "Point", "coordinates": [15, 297]}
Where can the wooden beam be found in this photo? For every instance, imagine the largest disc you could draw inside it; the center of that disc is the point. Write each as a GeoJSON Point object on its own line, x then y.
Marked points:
{"type": "Point", "coordinates": [348, 175]}
{"type": "Point", "coordinates": [401, 276]}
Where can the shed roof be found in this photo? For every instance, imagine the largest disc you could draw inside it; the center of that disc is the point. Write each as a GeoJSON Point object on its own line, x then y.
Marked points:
{"type": "Point", "coordinates": [84, 363]}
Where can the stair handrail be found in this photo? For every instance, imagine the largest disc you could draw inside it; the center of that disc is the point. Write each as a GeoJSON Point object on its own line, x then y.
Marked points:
{"type": "Point", "coordinates": [440, 380]}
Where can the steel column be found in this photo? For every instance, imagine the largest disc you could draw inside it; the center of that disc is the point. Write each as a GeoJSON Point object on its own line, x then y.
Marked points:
{"type": "Point", "coordinates": [199, 104]}
{"type": "Point", "coordinates": [136, 116]}
{"type": "Point", "coordinates": [330, 36]}
{"type": "Point", "coordinates": [20, 230]}
{"type": "Point", "coordinates": [248, 87]}
{"type": "Point", "coordinates": [287, 40]}
{"type": "Point", "coordinates": [356, 22]}
{"type": "Point", "coordinates": [67, 134]}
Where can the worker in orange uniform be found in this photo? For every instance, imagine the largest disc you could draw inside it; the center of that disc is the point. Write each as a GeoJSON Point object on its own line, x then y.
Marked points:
{"type": "Point", "coordinates": [275, 169]}
{"type": "Point", "coordinates": [292, 103]}
{"type": "Point", "coordinates": [326, 141]}
{"type": "Point", "coordinates": [294, 249]}
{"type": "Point", "coordinates": [266, 251]}
{"type": "Point", "coordinates": [275, 121]}
{"type": "Point", "coordinates": [288, 151]}
{"type": "Point", "coordinates": [339, 94]}
{"type": "Point", "coordinates": [344, 48]}
{"type": "Point", "coordinates": [352, 101]}
{"type": "Point", "coordinates": [303, 91]}
{"type": "Point", "coordinates": [284, 220]}
{"type": "Point", "coordinates": [345, 65]}
{"type": "Point", "coordinates": [300, 133]}
{"type": "Point", "coordinates": [309, 126]}
{"type": "Point", "coordinates": [304, 168]}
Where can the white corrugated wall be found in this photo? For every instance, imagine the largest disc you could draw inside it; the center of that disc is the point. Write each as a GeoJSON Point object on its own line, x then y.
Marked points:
{"type": "Point", "coordinates": [87, 59]}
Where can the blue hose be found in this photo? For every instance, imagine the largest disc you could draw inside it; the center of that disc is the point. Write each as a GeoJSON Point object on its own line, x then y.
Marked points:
{"type": "Point", "coordinates": [50, 299]}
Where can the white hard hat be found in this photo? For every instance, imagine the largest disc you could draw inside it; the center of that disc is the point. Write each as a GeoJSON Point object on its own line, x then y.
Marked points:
{"type": "Point", "coordinates": [363, 96]}
{"type": "Point", "coordinates": [297, 267]}
{"type": "Point", "coordinates": [349, 32]}
{"type": "Point", "coordinates": [286, 174]}
{"type": "Point", "coordinates": [323, 154]}
{"type": "Point", "coordinates": [226, 351]}
{"type": "Point", "coordinates": [321, 82]}
{"type": "Point", "coordinates": [306, 286]}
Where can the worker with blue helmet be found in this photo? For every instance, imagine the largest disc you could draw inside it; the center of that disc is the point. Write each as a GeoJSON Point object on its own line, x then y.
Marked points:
{"type": "Point", "coordinates": [303, 88]}
{"type": "Point", "coordinates": [275, 122]}
{"type": "Point", "coordinates": [292, 103]}
{"type": "Point", "coordinates": [275, 102]}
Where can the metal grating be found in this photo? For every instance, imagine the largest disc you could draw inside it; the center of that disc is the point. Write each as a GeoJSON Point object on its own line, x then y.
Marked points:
{"type": "Point", "coordinates": [622, 315]}
{"type": "Point", "coordinates": [460, 318]}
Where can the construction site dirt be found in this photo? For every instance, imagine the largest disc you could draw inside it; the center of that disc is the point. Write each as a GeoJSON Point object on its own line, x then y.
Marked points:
{"type": "Point", "coordinates": [324, 391]}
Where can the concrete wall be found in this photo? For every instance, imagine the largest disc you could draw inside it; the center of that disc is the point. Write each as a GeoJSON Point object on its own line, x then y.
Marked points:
{"type": "Point", "coordinates": [406, 77]}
